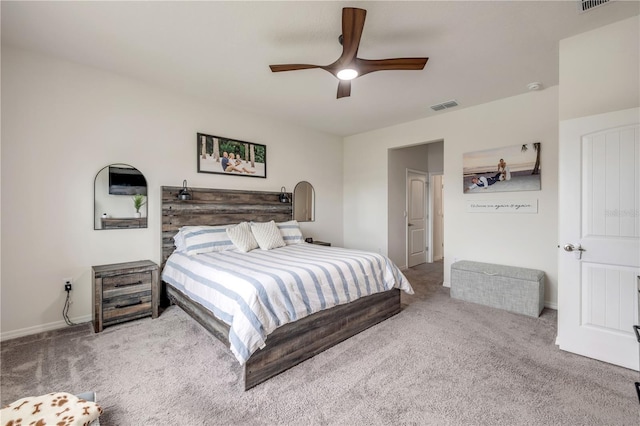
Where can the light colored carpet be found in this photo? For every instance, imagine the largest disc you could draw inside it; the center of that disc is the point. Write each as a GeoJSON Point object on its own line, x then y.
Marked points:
{"type": "Point", "coordinates": [439, 362]}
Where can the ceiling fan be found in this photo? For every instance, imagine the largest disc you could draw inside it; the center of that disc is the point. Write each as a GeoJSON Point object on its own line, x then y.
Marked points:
{"type": "Point", "coordinates": [349, 66]}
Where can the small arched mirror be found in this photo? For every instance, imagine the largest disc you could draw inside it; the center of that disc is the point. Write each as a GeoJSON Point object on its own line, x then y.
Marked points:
{"type": "Point", "coordinates": [119, 198]}
{"type": "Point", "coordinates": [304, 202]}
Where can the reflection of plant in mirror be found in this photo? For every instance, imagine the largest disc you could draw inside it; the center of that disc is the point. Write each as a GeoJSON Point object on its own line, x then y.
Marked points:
{"type": "Point", "coordinates": [138, 201]}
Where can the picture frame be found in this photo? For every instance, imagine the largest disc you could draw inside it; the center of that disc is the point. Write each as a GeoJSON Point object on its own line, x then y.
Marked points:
{"type": "Point", "coordinates": [233, 157]}
{"type": "Point", "coordinates": [506, 169]}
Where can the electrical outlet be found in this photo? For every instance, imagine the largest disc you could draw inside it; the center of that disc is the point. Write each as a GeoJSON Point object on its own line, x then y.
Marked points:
{"type": "Point", "coordinates": [67, 283]}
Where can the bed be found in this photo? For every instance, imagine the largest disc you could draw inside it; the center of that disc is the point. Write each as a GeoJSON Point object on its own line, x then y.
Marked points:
{"type": "Point", "coordinates": [273, 308]}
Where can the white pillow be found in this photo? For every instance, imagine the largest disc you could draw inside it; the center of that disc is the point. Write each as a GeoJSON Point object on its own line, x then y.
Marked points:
{"type": "Point", "coordinates": [242, 237]}
{"type": "Point", "coordinates": [291, 233]}
{"type": "Point", "coordinates": [205, 239]}
{"type": "Point", "coordinates": [267, 235]}
{"type": "Point", "coordinates": [178, 241]}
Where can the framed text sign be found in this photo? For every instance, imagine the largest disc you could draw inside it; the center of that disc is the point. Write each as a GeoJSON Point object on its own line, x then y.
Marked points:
{"type": "Point", "coordinates": [502, 206]}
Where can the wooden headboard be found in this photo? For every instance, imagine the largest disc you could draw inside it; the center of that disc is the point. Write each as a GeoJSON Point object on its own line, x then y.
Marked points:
{"type": "Point", "coordinates": [217, 207]}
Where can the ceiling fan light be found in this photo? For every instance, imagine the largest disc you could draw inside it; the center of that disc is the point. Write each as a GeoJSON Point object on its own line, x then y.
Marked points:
{"type": "Point", "coordinates": [347, 74]}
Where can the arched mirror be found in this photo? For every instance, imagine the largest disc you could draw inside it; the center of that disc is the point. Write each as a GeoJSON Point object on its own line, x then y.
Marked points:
{"type": "Point", "coordinates": [119, 198]}
{"type": "Point", "coordinates": [304, 202]}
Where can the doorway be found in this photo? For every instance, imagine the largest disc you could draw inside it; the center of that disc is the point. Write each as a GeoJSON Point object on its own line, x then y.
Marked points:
{"type": "Point", "coordinates": [427, 159]}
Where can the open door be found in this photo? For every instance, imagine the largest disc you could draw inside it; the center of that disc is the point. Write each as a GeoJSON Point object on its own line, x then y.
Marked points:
{"type": "Point", "coordinates": [599, 230]}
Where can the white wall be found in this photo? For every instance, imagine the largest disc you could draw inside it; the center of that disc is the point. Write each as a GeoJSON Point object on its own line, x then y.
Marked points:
{"type": "Point", "coordinates": [527, 240]}
{"type": "Point", "coordinates": [435, 159]}
{"type": "Point", "coordinates": [600, 70]}
{"type": "Point", "coordinates": [62, 123]}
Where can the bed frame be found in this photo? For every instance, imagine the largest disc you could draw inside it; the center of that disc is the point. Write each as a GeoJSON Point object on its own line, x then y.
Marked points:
{"type": "Point", "coordinates": [292, 343]}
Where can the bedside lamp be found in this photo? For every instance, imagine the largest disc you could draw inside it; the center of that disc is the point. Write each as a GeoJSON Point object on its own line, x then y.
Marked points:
{"type": "Point", "coordinates": [184, 193]}
{"type": "Point", "coordinates": [284, 198]}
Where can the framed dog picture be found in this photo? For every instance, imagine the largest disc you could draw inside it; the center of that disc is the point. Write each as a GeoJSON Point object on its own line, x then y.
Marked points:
{"type": "Point", "coordinates": [220, 155]}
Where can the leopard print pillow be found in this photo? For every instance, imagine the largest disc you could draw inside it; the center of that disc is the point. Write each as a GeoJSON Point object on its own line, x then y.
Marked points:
{"type": "Point", "coordinates": [58, 408]}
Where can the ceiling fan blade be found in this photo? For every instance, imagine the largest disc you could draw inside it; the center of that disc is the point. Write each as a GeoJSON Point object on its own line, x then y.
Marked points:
{"type": "Point", "coordinates": [352, 27]}
{"type": "Point", "coordinates": [344, 89]}
{"type": "Point", "coordinates": [292, 67]}
{"type": "Point", "coordinates": [365, 66]}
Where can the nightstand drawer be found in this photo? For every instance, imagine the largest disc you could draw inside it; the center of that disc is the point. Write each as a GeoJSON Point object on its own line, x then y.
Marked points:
{"type": "Point", "coordinates": [125, 309]}
{"type": "Point", "coordinates": [124, 281]}
{"type": "Point", "coordinates": [126, 284]}
{"type": "Point", "coordinates": [124, 300]}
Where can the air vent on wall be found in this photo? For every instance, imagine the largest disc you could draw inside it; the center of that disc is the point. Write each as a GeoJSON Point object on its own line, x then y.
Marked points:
{"type": "Point", "coordinates": [444, 105]}
{"type": "Point", "coordinates": [585, 5]}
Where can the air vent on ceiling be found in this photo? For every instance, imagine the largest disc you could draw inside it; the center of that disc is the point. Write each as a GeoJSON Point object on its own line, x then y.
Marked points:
{"type": "Point", "coordinates": [444, 105]}
{"type": "Point", "coordinates": [585, 5]}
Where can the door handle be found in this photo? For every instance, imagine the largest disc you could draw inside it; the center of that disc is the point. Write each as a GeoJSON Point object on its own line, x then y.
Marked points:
{"type": "Point", "coordinates": [571, 248]}
{"type": "Point", "coordinates": [411, 224]}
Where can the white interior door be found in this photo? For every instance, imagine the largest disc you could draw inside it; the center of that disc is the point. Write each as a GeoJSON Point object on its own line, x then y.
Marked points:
{"type": "Point", "coordinates": [416, 218]}
{"type": "Point", "coordinates": [438, 217]}
{"type": "Point", "coordinates": [599, 258]}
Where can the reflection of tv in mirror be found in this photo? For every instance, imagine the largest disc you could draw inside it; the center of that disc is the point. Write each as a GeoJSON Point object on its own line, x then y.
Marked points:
{"type": "Point", "coordinates": [126, 181]}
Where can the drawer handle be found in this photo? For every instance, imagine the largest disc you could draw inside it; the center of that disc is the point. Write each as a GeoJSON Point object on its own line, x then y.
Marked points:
{"type": "Point", "coordinates": [139, 302]}
{"type": "Point", "coordinates": [129, 284]}
{"type": "Point", "coordinates": [490, 274]}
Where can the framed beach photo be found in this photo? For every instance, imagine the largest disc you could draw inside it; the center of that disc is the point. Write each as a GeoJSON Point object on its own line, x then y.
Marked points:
{"type": "Point", "coordinates": [507, 169]}
{"type": "Point", "coordinates": [224, 156]}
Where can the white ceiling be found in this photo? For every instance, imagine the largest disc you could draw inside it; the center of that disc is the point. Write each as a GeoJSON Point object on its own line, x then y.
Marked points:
{"type": "Point", "coordinates": [478, 51]}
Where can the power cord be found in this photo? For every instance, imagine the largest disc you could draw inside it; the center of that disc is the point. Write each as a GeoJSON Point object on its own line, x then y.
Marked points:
{"type": "Point", "coordinates": [65, 310]}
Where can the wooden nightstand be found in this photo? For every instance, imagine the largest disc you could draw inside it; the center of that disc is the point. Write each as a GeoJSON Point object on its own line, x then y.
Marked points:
{"type": "Point", "coordinates": [123, 292]}
{"type": "Point", "coordinates": [321, 243]}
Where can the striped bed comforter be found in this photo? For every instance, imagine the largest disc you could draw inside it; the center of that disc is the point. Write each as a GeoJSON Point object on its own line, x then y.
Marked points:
{"type": "Point", "coordinates": [256, 292]}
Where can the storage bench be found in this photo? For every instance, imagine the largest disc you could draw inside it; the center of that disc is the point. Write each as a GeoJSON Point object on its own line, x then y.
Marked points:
{"type": "Point", "coordinates": [514, 289]}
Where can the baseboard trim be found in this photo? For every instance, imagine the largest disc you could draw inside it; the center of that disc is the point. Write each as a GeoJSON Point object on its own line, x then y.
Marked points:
{"type": "Point", "coordinates": [446, 284]}
{"type": "Point", "coordinates": [41, 328]}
